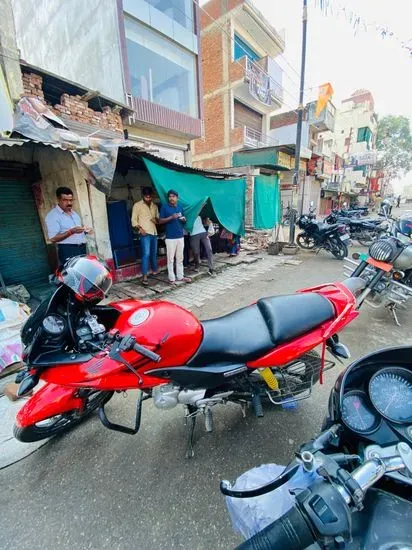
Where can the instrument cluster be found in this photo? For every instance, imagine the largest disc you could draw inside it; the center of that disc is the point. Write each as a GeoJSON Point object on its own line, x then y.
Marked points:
{"type": "Point", "coordinates": [381, 399]}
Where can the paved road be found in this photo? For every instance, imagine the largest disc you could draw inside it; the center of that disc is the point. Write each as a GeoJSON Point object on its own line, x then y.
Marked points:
{"type": "Point", "coordinates": [101, 490]}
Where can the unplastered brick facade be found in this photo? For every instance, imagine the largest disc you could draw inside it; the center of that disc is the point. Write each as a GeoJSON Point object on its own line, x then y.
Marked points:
{"type": "Point", "coordinates": [229, 127]}
{"type": "Point", "coordinates": [73, 107]}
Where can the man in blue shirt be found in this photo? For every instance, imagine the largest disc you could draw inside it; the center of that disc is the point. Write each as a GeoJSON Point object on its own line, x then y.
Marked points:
{"type": "Point", "coordinates": [65, 228]}
{"type": "Point", "coordinates": [172, 216]}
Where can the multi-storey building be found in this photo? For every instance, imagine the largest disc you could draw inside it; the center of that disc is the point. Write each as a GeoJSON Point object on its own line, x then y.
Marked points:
{"type": "Point", "coordinates": [355, 138]}
{"type": "Point", "coordinates": [103, 67]}
{"type": "Point", "coordinates": [241, 84]}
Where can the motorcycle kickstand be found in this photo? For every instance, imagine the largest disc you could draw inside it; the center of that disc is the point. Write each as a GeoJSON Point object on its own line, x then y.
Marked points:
{"type": "Point", "coordinates": [191, 418]}
{"type": "Point", "coordinates": [392, 309]}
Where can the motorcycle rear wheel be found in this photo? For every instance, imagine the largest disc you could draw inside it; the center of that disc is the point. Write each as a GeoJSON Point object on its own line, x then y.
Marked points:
{"type": "Point", "coordinates": [305, 242]}
{"type": "Point", "coordinates": [338, 249]}
{"type": "Point", "coordinates": [60, 424]}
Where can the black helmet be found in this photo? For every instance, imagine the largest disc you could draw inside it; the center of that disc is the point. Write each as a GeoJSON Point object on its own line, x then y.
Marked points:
{"type": "Point", "coordinates": [405, 226]}
{"type": "Point", "coordinates": [88, 277]}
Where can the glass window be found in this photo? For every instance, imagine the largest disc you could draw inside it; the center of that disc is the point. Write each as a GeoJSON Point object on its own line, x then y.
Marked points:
{"type": "Point", "coordinates": [180, 11]}
{"type": "Point", "coordinates": [160, 70]}
{"type": "Point", "coordinates": [241, 48]}
{"type": "Point", "coordinates": [364, 134]}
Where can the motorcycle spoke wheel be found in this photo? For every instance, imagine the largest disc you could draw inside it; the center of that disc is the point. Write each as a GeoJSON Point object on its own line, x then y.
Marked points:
{"type": "Point", "coordinates": [59, 424]}
{"type": "Point", "coordinates": [305, 242]}
{"type": "Point", "coordinates": [338, 249]}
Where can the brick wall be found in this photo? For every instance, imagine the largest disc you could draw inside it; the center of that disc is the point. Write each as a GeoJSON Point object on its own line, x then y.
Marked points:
{"type": "Point", "coordinates": [250, 186]}
{"type": "Point", "coordinates": [73, 107]}
{"type": "Point", "coordinates": [285, 119]}
{"type": "Point", "coordinates": [212, 61]}
{"type": "Point", "coordinates": [214, 132]}
{"type": "Point", "coordinates": [215, 9]}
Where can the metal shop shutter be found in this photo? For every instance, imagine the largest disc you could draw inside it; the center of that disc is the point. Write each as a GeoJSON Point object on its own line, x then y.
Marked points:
{"type": "Point", "coordinates": [245, 116]}
{"type": "Point", "coordinates": [23, 253]}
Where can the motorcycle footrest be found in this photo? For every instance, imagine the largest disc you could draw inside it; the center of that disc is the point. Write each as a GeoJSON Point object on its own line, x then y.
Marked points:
{"type": "Point", "coordinates": [257, 405]}
{"type": "Point", "coordinates": [119, 427]}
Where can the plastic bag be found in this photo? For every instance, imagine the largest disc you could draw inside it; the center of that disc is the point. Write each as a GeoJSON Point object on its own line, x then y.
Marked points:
{"type": "Point", "coordinates": [251, 515]}
{"type": "Point", "coordinates": [12, 318]}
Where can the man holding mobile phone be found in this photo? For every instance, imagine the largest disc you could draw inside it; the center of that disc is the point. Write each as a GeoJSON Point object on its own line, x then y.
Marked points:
{"type": "Point", "coordinates": [65, 228]}
{"type": "Point", "coordinates": [173, 218]}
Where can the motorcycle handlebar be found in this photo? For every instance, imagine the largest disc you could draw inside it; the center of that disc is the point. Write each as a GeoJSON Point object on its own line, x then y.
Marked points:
{"type": "Point", "coordinates": [147, 353]}
{"type": "Point", "coordinates": [289, 532]}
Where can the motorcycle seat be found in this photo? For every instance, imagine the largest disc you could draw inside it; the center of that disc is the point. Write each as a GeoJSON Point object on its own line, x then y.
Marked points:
{"type": "Point", "coordinates": [251, 332]}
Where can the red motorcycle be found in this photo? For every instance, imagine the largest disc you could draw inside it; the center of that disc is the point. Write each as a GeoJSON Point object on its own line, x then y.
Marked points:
{"type": "Point", "coordinates": [84, 352]}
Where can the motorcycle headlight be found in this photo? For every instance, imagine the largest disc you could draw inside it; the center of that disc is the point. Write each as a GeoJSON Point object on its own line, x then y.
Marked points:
{"type": "Point", "coordinates": [382, 251]}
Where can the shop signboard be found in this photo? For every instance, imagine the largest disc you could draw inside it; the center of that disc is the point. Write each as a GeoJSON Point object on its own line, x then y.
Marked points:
{"type": "Point", "coordinates": [284, 160]}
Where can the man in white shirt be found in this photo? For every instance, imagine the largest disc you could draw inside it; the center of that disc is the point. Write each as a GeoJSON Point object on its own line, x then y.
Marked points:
{"type": "Point", "coordinates": [65, 228]}
{"type": "Point", "coordinates": [197, 236]}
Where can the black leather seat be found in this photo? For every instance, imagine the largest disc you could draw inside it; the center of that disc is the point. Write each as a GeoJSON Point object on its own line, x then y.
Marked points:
{"type": "Point", "coordinates": [249, 333]}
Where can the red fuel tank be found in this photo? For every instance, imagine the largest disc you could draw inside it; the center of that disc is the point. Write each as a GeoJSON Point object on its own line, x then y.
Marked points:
{"type": "Point", "coordinates": [176, 331]}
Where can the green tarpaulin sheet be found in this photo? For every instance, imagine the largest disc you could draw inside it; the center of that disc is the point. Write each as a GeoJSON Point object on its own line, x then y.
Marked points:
{"type": "Point", "coordinates": [227, 197]}
{"type": "Point", "coordinates": [266, 202]}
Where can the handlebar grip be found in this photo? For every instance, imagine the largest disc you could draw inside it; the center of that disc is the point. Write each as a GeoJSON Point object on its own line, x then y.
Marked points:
{"type": "Point", "coordinates": [290, 532]}
{"type": "Point", "coordinates": [147, 353]}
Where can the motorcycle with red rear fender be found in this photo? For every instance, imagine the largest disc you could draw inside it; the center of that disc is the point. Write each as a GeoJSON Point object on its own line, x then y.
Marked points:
{"type": "Point", "coordinates": [83, 352]}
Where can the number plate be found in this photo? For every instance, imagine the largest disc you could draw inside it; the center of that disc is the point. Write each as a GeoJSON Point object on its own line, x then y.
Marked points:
{"type": "Point", "coordinates": [380, 265]}
{"type": "Point", "coordinates": [345, 238]}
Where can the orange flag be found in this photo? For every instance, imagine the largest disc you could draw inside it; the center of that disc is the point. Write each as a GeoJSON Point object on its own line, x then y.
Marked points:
{"type": "Point", "coordinates": [325, 94]}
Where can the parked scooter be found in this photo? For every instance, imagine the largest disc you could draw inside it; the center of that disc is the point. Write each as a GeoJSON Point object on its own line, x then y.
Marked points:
{"type": "Point", "coordinates": [351, 486]}
{"type": "Point", "coordinates": [387, 268]}
{"type": "Point", "coordinates": [364, 231]}
{"type": "Point", "coordinates": [318, 235]}
{"type": "Point", "coordinates": [84, 352]}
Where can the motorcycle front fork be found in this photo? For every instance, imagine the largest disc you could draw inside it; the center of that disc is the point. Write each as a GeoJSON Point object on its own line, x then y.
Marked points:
{"type": "Point", "coordinates": [371, 286]}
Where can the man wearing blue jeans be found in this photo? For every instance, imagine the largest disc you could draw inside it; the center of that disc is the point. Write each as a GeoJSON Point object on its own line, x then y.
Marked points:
{"type": "Point", "coordinates": [145, 216]}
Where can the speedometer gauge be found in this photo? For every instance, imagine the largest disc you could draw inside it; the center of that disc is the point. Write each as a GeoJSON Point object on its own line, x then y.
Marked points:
{"type": "Point", "coordinates": [357, 413]}
{"type": "Point", "coordinates": [390, 391]}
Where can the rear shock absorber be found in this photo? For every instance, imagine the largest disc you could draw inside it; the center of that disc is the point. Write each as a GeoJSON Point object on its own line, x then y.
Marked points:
{"type": "Point", "coordinates": [269, 378]}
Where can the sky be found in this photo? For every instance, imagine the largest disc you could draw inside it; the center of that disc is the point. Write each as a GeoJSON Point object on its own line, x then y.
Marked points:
{"type": "Point", "coordinates": [348, 62]}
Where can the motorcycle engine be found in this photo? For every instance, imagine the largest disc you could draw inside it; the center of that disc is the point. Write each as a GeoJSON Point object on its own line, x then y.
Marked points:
{"type": "Point", "coordinates": [167, 396]}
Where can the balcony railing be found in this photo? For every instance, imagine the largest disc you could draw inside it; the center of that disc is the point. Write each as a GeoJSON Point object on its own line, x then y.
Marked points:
{"type": "Point", "coordinates": [255, 139]}
{"type": "Point", "coordinates": [261, 85]}
{"type": "Point", "coordinates": [159, 116]}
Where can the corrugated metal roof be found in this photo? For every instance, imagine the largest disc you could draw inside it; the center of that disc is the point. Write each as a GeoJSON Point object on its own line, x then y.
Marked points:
{"type": "Point", "coordinates": [91, 130]}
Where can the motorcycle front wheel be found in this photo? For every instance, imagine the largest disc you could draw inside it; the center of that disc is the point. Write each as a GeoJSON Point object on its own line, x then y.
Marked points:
{"type": "Point", "coordinates": [338, 249]}
{"type": "Point", "coordinates": [366, 239]}
{"type": "Point", "coordinates": [61, 423]}
{"type": "Point", "coordinates": [305, 242]}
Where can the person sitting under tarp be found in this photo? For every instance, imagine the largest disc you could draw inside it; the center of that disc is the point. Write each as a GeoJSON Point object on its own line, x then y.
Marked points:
{"type": "Point", "coordinates": [232, 242]}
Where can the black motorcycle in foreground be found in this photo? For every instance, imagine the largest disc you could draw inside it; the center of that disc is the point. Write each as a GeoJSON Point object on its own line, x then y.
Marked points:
{"type": "Point", "coordinates": [360, 468]}
{"type": "Point", "coordinates": [317, 235]}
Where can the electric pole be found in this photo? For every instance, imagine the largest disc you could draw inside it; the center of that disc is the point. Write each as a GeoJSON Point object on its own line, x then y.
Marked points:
{"type": "Point", "coordinates": [301, 109]}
